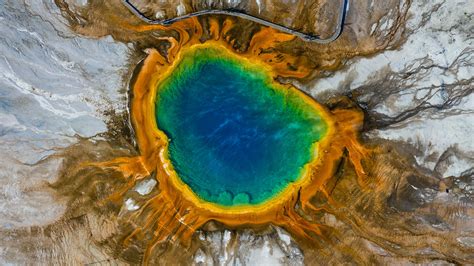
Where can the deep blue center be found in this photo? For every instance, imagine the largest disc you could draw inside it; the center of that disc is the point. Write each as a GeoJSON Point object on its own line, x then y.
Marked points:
{"type": "Point", "coordinates": [235, 139]}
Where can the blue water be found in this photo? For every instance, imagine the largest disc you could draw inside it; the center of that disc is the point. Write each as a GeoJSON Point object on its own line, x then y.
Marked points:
{"type": "Point", "coordinates": [234, 139]}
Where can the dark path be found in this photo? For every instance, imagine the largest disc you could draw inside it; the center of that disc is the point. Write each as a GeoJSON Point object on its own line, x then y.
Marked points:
{"type": "Point", "coordinates": [238, 13]}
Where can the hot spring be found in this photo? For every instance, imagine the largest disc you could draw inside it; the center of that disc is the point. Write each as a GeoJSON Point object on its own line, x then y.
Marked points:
{"type": "Point", "coordinates": [236, 137]}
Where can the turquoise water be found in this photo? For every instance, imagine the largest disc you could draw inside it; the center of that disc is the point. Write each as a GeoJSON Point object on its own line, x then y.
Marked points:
{"type": "Point", "coordinates": [234, 139]}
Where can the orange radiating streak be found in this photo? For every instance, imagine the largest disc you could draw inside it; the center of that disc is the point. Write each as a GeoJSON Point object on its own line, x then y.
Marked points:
{"type": "Point", "coordinates": [176, 212]}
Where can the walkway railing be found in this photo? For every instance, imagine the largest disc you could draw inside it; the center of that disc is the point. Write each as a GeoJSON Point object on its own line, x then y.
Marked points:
{"type": "Point", "coordinates": [237, 13]}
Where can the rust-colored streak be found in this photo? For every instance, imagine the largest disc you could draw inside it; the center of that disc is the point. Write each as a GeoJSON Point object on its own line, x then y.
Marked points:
{"type": "Point", "coordinates": [172, 215]}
